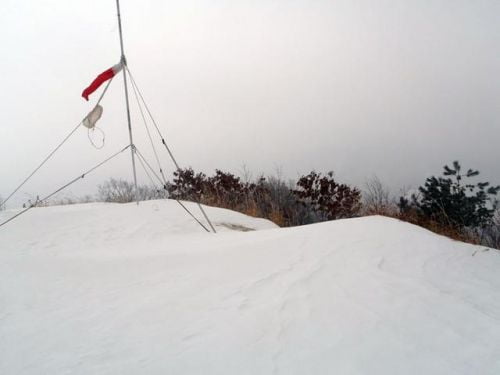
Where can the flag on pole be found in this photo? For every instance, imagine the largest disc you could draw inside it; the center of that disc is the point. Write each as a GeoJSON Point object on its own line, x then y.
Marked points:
{"type": "Point", "coordinates": [101, 78]}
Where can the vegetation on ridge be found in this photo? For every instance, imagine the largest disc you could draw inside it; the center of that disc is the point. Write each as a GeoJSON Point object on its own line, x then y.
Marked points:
{"type": "Point", "coordinates": [451, 204]}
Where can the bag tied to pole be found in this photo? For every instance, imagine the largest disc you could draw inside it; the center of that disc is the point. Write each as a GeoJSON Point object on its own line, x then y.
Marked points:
{"type": "Point", "coordinates": [90, 120]}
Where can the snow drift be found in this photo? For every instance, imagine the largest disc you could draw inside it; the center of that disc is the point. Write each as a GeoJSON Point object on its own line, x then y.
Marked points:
{"type": "Point", "coordinates": [121, 289]}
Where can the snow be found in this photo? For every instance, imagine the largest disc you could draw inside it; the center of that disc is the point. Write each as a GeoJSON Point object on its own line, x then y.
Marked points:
{"type": "Point", "coordinates": [126, 289]}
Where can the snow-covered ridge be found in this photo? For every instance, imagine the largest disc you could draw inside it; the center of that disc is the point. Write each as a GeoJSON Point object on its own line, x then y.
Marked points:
{"type": "Point", "coordinates": [105, 225]}
{"type": "Point", "coordinates": [108, 289]}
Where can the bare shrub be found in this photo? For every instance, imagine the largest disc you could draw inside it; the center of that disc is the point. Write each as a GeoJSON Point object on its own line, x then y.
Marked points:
{"type": "Point", "coordinates": [490, 235]}
{"type": "Point", "coordinates": [376, 199]}
{"type": "Point", "coordinates": [87, 199]}
{"type": "Point", "coordinates": [122, 191]}
{"type": "Point", "coordinates": [116, 191]}
{"type": "Point", "coordinates": [274, 199]}
{"type": "Point", "coordinates": [62, 201]}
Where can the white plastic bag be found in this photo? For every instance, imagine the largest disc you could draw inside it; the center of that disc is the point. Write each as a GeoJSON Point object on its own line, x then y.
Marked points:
{"type": "Point", "coordinates": [90, 120]}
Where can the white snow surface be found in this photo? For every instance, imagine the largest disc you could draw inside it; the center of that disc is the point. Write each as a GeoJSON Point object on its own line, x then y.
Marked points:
{"type": "Point", "coordinates": [126, 289]}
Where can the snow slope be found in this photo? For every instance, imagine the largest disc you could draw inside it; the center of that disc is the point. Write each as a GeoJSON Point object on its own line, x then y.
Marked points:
{"type": "Point", "coordinates": [121, 289]}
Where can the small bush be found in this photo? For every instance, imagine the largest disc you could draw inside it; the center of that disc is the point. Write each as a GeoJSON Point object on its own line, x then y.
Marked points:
{"type": "Point", "coordinates": [490, 235]}
{"type": "Point", "coordinates": [116, 191]}
{"type": "Point", "coordinates": [284, 203]}
{"type": "Point", "coordinates": [225, 189]}
{"type": "Point", "coordinates": [187, 185]}
{"type": "Point", "coordinates": [276, 201]}
{"type": "Point", "coordinates": [450, 202]}
{"type": "Point", "coordinates": [327, 197]}
{"type": "Point", "coordinates": [122, 191]}
{"type": "Point", "coordinates": [377, 200]}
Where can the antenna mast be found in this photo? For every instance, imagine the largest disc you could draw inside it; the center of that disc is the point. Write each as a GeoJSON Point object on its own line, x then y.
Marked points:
{"type": "Point", "coordinates": [124, 62]}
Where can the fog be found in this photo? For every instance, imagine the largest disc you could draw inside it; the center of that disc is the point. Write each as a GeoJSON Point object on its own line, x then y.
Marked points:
{"type": "Point", "coordinates": [388, 88]}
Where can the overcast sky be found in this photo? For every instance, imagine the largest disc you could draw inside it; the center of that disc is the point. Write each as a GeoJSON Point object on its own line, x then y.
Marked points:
{"type": "Point", "coordinates": [392, 88]}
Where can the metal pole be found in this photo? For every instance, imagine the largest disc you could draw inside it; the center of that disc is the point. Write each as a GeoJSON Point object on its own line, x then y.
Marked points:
{"type": "Point", "coordinates": [124, 62]}
{"type": "Point", "coordinates": [179, 169]}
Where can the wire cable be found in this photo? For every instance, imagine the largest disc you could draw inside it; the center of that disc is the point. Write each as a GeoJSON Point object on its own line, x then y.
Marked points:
{"type": "Point", "coordinates": [149, 166]}
{"type": "Point", "coordinates": [147, 174]}
{"type": "Point", "coordinates": [147, 130]}
{"type": "Point", "coordinates": [152, 119]}
{"type": "Point", "coordinates": [141, 159]}
{"type": "Point", "coordinates": [38, 201]}
{"type": "Point", "coordinates": [165, 143]}
{"type": "Point", "coordinates": [55, 150]}
{"type": "Point", "coordinates": [42, 163]}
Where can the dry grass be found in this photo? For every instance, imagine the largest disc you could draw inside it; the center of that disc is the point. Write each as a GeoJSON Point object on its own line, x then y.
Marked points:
{"type": "Point", "coordinates": [432, 225]}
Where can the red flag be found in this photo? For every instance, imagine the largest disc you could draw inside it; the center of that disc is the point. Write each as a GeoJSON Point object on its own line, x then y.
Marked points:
{"type": "Point", "coordinates": [101, 78]}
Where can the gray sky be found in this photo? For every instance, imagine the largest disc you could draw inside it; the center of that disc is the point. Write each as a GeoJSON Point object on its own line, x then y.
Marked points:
{"type": "Point", "coordinates": [392, 88]}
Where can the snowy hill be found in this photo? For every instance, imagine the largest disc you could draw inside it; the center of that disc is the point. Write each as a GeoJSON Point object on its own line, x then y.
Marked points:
{"type": "Point", "coordinates": [121, 289]}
